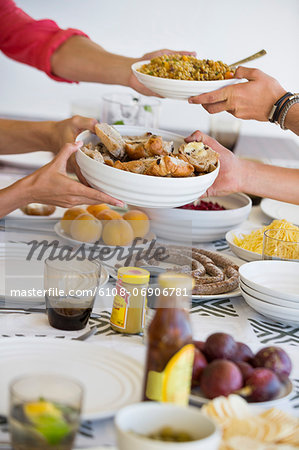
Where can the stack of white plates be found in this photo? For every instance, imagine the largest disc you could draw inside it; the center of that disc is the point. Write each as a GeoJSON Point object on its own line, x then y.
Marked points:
{"type": "Point", "coordinates": [272, 288]}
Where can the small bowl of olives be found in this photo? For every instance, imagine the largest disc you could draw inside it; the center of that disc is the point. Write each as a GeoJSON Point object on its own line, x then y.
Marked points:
{"type": "Point", "coordinates": [164, 426]}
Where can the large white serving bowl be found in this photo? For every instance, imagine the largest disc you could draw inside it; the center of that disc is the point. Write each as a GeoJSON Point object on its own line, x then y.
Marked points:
{"type": "Point", "coordinates": [177, 224]}
{"type": "Point", "coordinates": [137, 421]}
{"type": "Point", "coordinates": [280, 313]}
{"type": "Point", "coordinates": [271, 299]}
{"type": "Point", "coordinates": [278, 278]}
{"type": "Point", "coordinates": [239, 251]}
{"type": "Point", "coordinates": [178, 89]}
{"type": "Point", "coordinates": [142, 190]}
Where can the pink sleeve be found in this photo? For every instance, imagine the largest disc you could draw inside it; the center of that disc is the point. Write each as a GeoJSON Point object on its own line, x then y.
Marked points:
{"type": "Point", "coordinates": [31, 41]}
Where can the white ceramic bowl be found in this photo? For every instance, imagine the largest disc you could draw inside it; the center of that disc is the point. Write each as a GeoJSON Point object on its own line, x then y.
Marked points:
{"type": "Point", "coordinates": [280, 313]}
{"type": "Point", "coordinates": [202, 226]}
{"type": "Point", "coordinates": [269, 298]}
{"type": "Point", "coordinates": [241, 252]}
{"type": "Point", "coordinates": [278, 278]}
{"type": "Point", "coordinates": [149, 417]}
{"type": "Point", "coordinates": [178, 89]}
{"type": "Point", "coordinates": [142, 190]}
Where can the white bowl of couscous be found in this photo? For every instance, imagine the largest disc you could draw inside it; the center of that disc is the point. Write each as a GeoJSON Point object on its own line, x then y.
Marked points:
{"type": "Point", "coordinates": [180, 89]}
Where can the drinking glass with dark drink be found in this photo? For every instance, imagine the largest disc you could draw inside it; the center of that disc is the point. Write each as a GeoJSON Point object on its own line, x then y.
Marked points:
{"type": "Point", "coordinates": [71, 287]}
{"type": "Point", "coordinates": [44, 412]}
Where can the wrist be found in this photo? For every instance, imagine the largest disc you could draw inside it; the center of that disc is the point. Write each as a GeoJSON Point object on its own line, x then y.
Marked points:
{"type": "Point", "coordinates": [25, 190]}
{"type": "Point", "coordinates": [278, 97]}
{"type": "Point", "coordinates": [243, 171]}
{"type": "Point", "coordinates": [126, 71]}
{"type": "Point", "coordinates": [47, 135]}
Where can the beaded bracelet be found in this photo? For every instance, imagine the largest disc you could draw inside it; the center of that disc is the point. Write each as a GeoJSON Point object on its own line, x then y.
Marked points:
{"type": "Point", "coordinates": [276, 108]}
{"type": "Point", "coordinates": [284, 110]}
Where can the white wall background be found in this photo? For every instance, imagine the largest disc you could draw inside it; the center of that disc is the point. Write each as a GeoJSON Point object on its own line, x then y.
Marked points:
{"type": "Point", "coordinates": [216, 29]}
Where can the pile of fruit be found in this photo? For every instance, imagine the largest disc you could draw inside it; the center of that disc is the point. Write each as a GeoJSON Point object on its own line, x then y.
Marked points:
{"type": "Point", "coordinates": [101, 222]}
{"type": "Point", "coordinates": [223, 366]}
{"type": "Point", "coordinates": [203, 206]}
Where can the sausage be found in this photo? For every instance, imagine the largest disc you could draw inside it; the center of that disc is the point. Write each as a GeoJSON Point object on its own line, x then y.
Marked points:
{"type": "Point", "coordinates": [213, 273]}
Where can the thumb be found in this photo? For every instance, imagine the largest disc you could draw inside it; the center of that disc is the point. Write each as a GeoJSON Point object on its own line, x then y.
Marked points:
{"type": "Point", "coordinates": [84, 123]}
{"type": "Point", "coordinates": [245, 72]}
{"type": "Point", "coordinates": [199, 136]}
{"type": "Point", "coordinates": [66, 151]}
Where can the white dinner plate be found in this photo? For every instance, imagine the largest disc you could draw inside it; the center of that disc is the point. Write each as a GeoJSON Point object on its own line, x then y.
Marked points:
{"type": "Point", "coordinates": [280, 210]}
{"type": "Point", "coordinates": [278, 278]}
{"type": "Point", "coordinates": [284, 394]}
{"type": "Point", "coordinates": [277, 313]}
{"type": "Point", "coordinates": [30, 160]}
{"type": "Point", "coordinates": [279, 301]}
{"type": "Point", "coordinates": [179, 89]}
{"type": "Point", "coordinates": [246, 255]}
{"type": "Point", "coordinates": [110, 379]}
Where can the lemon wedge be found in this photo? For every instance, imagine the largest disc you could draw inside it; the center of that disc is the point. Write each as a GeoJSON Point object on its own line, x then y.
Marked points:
{"type": "Point", "coordinates": [41, 408]}
{"type": "Point", "coordinates": [48, 420]}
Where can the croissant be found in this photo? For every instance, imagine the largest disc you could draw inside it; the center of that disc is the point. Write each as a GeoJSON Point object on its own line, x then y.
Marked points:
{"type": "Point", "coordinates": [202, 157]}
{"type": "Point", "coordinates": [169, 166]}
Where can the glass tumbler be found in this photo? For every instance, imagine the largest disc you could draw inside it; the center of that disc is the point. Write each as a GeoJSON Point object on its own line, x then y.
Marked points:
{"type": "Point", "coordinates": [281, 244]}
{"type": "Point", "coordinates": [44, 412]}
{"type": "Point", "coordinates": [71, 287]}
{"type": "Point", "coordinates": [127, 109]}
{"type": "Point", "coordinates": [225, 129]}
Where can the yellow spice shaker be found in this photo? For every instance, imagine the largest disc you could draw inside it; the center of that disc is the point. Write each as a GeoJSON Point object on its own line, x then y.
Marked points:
{"type": "Point", "coordinates": [129, 305]}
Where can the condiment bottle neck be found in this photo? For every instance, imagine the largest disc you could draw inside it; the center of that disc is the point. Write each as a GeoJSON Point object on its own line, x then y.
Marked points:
{"type": "Point", "coordinates": [181, 301]}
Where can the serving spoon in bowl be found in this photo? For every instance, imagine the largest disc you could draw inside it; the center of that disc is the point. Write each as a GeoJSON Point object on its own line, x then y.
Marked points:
{"type": "Point", "coordinates": [249, 58]}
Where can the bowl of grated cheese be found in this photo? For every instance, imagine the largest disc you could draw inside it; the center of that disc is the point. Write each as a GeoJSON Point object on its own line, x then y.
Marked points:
{"type": "Point", "coordinates": [247, 243]}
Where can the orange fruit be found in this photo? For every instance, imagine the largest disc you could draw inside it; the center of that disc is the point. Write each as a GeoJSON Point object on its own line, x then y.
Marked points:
{"type": "Point", "coordinates": [138, 221]}
{"type": "Point", "coordinates": [69, 215]}
{"type": "Point", "coordinates": [117, 232]}
{"type": "Point", "coordinates": [95, 209]}
{"type": "Point", "coordinates": [108, 214]}
{"type": "Point", "coordinates": [85, 228]}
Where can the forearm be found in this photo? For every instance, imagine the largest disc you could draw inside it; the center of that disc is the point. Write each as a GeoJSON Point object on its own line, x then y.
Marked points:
{"type": "Point", "coordinates": [292, 119]}
{"type": "Point", "coordinates": [80, 59]}
{"type": "Point", "coordinates": [269, 181]}
{"type": "Point", "coordinates": [14, 196]}
{"type": "Point", "coordinates": [21, 136]}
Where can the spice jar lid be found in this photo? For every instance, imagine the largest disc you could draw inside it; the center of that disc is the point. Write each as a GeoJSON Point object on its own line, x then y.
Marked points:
{"type": "Point", "coordinates": [133, 275]}
{"type": "Point", "coordinates": [174, 280]}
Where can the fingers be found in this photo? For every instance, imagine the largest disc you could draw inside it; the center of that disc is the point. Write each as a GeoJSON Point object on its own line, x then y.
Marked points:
{"type": "Point", "coordinates": [249, 74]}
{"type": "Point", "coordinates": [139, 87]}
{"type": "Point", "coordinates": [84, 123]}
{"type": "Point", "coordinates": [92, 196]}
{"type": "Point", "coordinates": [167, 51]}
{"type": "Point", "coordinates": [211, 97]}
{"type": "Point", "coordinates": [80, 177]}
{"type": "Point", "coordinates": [199, 136]}
{"type": "Point", "coordinates": [183, 52]}
{"type": "Point", "coordinates": [195, 136]}
{"type": "Point", "coordinates": [60, 161]}
{"type": "Point", "coordinates": [216, 107]}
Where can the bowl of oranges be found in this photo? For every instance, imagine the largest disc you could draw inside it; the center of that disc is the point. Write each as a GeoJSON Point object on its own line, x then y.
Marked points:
{"type": "Point", "coordinates": [103, 225]}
